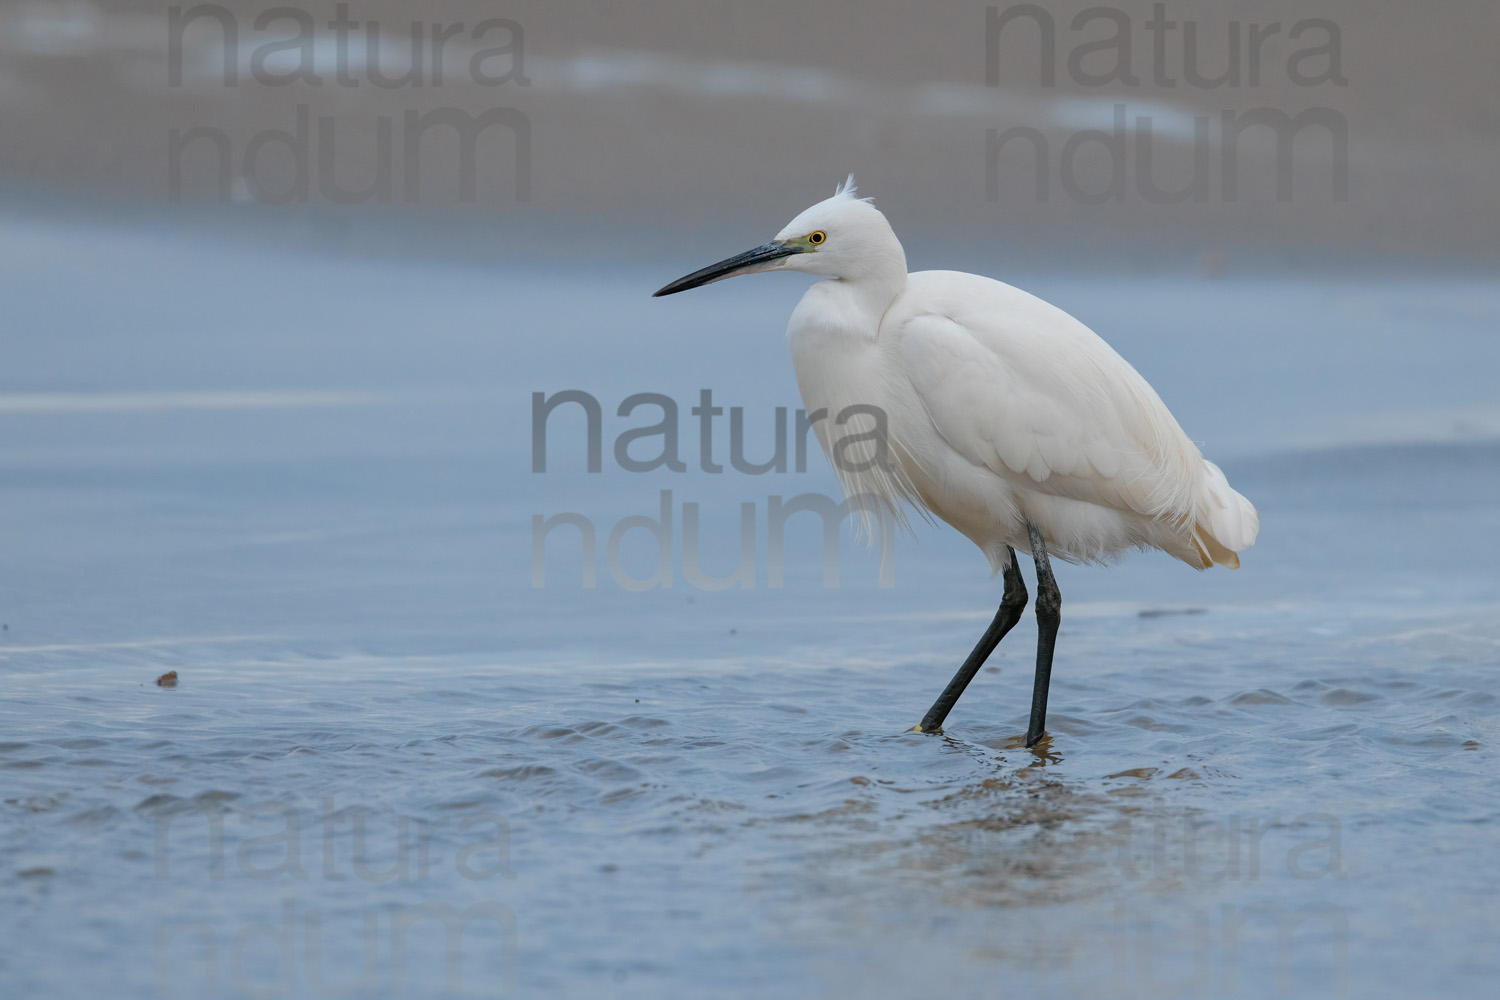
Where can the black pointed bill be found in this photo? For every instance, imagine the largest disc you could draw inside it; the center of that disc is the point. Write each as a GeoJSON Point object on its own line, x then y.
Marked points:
{"type": "Point", "coordinates": [740, 263]}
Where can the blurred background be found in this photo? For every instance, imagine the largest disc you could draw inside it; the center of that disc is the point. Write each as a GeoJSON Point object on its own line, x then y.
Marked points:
{"type": "Point", "coordinates": [647, 120]}
{"type": "Point", "coordinates": [278, 285]}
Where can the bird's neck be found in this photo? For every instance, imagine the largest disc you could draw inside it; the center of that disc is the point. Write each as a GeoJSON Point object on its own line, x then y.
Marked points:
{"type": "Point", "coordinates": [841, 314]}
{"type": "Point", "coordinates": [845, 309]}
{"type": "Point", "coordinates": [876, 287]}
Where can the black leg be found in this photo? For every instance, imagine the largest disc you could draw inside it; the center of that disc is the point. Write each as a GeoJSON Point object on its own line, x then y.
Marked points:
{"type": "Point", "coordinates": [1048, 617]}
{"type": "Point", "coordinates": [1012, 603]}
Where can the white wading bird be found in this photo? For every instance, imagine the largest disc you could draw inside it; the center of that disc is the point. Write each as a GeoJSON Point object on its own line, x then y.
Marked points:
{"type": "Point", "coordinates": [1005, 417]}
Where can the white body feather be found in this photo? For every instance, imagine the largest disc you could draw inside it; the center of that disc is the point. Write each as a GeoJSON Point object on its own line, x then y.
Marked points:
{"type": "Point", "coordinates": [1000, 409]}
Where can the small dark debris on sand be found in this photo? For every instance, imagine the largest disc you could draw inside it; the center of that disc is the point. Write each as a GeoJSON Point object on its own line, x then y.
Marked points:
{"type": "Point", "coordinates": [167, 680]}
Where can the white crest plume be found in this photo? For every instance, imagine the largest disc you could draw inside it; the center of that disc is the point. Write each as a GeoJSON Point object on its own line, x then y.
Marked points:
{"type": "Point", "coordinates": [849, 190]}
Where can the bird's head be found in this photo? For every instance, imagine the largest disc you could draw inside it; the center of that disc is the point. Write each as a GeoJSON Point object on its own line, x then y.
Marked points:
{"type": "Point", "coordinates": [840, 237]}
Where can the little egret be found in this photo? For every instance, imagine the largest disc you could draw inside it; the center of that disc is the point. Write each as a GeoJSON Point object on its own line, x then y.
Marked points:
{"type": "Point", "coordinates": [1002, 415]}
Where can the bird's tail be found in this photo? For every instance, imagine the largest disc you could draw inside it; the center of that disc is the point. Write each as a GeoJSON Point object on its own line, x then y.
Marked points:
{"type": "Point", "coordinates": [1226, 524]}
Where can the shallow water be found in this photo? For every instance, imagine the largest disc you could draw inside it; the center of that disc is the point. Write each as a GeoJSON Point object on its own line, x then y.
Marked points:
{"type": "Point", "coordinates": [1276, 781]}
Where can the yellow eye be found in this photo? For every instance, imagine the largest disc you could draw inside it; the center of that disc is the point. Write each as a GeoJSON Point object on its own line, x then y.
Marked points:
{"type": "Point", "coordinates": [817, 237]}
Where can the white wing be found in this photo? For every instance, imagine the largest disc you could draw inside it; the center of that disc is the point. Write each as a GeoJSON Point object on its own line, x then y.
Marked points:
{"type": "Point", "coordinates": [1019, 386]}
